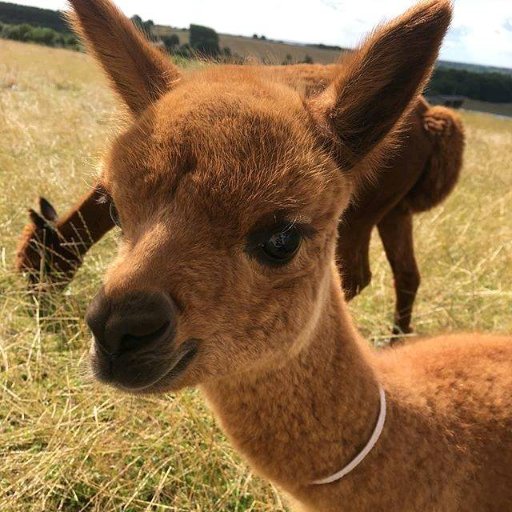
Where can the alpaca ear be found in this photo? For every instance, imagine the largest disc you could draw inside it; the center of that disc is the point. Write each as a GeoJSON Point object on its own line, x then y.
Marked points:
{"type": "Point", "coordinates": [37, 219]}
{"type": "Point", "coordinates": [139, 72]}
{"type": "Point", "coordinates": [378, 81]}
{"type": "Point", "coordinates": [47, 210]}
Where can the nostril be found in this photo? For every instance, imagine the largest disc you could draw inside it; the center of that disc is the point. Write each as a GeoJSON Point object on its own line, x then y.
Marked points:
{"type": "Point", "coordinates": [130, 342]}
{"type": "Point", "coordinates": [131, 322]}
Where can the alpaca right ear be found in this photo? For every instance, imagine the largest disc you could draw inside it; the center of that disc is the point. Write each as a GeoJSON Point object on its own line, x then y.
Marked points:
{"type": "Point", "coordinates": [47, 210]}
{"type": "Point", "coordinates": [37, 219]}
{"type": "Point", "coordinates": [139, 72]}
{"type": "Point", "coordinates": [379, 80]}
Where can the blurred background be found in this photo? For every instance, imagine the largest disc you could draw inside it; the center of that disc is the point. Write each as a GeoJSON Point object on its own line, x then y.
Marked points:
{"type": "Point", "coordinates": [475, 59]}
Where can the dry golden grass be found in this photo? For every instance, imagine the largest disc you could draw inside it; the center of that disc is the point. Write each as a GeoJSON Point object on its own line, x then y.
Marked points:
{"type": "Point", "coordinates": [69, 444]}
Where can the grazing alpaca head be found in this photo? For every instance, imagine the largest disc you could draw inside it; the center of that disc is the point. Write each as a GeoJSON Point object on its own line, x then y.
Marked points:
{"type": "Point", "coordinates": [51, 248]}
{"type": "Point", "coordinates": [41, 252]}
{"type": "Point", "coordinates": [229, 188]}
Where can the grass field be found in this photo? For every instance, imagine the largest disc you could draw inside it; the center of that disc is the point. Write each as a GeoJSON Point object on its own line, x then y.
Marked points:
{"type": "Point", "coordinates": [69, 444]}
{"type": "Point", "coordinates": [259, 50]}
{"type": "Point", "coordinates": [501, 109]}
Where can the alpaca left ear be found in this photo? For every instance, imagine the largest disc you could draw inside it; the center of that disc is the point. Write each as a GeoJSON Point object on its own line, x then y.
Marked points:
{"type": "Point", "coordinates": [379, 81]}
{"type": "Point", "coordinates": [139, 73]}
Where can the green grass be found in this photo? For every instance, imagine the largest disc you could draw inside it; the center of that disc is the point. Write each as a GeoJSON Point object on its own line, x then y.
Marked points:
{"type": "Point", "coordinates": [69, 444]}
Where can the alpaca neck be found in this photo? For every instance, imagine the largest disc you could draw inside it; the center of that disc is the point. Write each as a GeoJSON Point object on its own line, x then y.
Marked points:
{"type": "Point", "coordinates": [311, 417]}
{"type": "Point", "coordinates": [87, 223]}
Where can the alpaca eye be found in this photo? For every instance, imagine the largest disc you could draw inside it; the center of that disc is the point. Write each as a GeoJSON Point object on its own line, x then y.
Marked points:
{"type": "Point", "coordinates": [114, 215]}
{"type": "Point", "coordinates": [282, 245]}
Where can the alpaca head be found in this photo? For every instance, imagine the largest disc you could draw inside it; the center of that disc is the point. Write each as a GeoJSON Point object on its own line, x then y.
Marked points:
{"type": "Point", "coordinates": [41, 254]}
{"type": "Point", "coordinates": [228, 188]}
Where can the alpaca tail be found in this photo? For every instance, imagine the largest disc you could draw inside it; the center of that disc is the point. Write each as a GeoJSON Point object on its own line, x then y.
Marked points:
{"type": "Point", "coordinates": [444, 128]}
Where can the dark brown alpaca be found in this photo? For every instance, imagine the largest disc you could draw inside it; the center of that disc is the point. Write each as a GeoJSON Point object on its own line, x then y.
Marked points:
{"type": "Point", "coordinates": [412, 178]}
{"type": "Point", "coordinates": [229, 188]}
{"type": "Point", "coordinates": [52, 248]}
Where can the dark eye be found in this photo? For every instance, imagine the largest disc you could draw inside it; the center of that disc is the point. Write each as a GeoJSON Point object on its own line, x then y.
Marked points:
{"type": "Point", "coordinates": [114, 215]}
{"type": "Point", "coordinates": [281, 246]}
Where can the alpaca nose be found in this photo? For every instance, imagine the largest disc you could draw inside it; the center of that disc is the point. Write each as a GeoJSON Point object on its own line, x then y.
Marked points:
{"type": "Point", "coordinates": [135, 321]}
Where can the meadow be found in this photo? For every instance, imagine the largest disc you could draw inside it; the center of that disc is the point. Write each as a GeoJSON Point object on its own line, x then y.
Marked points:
{"type": "Point", "coordinates": [67, 443]}
{"type": "Point", "coordinates": [261, 50]}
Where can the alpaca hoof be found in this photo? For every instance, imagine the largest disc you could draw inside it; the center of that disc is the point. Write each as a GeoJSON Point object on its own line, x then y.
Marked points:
{"type": "Point", "coordinates": [400, 335]}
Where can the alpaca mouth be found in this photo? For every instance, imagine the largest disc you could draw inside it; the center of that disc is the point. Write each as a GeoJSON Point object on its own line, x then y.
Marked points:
{"type": "Point", "coordinates": [183, 358]}
{"type": "Point", "coordinates": [144, 377]}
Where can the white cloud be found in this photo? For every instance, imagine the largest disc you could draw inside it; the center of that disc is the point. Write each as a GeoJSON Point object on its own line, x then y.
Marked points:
{"type": "Point", "coordinates": [481, 31]}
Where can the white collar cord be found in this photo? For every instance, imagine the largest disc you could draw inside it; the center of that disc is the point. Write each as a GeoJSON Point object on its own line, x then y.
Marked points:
{"type": "Point", "coordinates": [377, 431]}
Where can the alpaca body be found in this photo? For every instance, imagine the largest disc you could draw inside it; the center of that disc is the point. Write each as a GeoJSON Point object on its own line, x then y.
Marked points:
{"type": "Point", "coordinates": [413, 178]}
{"type": "Point", "coordinates": [448, 419]}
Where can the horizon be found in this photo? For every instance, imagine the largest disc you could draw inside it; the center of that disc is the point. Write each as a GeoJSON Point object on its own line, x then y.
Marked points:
{"type": "Point", "coordinates": [470, 40]}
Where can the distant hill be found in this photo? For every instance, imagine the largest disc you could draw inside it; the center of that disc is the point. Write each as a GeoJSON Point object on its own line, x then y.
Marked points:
{"type": "Point", "coordinates": [263, 50]}
{"type": "Point", "coordinates": [15, 14]}
{"type": "Point", "coordinates": [257, 47]}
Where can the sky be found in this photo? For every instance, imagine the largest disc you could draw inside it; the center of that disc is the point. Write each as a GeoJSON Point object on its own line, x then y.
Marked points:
{"type": "Point", "coordinates": [481, 31]}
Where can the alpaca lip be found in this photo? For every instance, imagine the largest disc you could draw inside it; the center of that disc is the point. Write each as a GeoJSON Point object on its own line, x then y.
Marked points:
{"type": "Point", "coordinates": [178, 364]}
{"type": "Point", "coordinates": [121, 376]}
{"type": "Point", "coordinates": [183, 358]}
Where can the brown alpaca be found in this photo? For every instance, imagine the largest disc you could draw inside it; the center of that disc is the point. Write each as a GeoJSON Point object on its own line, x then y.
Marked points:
{"type": "Point", "coordinates": [229, 187]}
{"type": "Point", "coordinates": [413, 178]}
{"type": "Point", "coordinates": [53, 247]}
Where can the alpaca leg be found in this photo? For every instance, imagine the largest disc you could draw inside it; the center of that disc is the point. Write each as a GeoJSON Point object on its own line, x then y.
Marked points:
{"type": "Point", "coordinates": [353, 258]}
{"type": "Point", "coordinates": [395, 230]}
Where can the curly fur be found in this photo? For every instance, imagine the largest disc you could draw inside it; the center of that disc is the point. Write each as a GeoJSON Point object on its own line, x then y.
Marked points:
{"type": "Point", "coordinates": [442, 170]}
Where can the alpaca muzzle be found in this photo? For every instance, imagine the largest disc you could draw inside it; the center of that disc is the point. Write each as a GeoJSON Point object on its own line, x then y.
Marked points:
{"type": "Point", "coordinates": [134, 343]}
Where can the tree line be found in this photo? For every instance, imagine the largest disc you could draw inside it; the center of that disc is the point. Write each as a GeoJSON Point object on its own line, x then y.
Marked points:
{"type": "Point", "coordinates": [492, 87]}
{"type": "Point", "coordinates": [39, 35]}
{"type": "Point", "coordinates": [14, 14]}
{"type": "Point", "coordinates": [47, 27]}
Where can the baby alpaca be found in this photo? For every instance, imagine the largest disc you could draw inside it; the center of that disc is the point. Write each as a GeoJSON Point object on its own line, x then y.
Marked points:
{"type": "Point", "coordinates": [228, 187]}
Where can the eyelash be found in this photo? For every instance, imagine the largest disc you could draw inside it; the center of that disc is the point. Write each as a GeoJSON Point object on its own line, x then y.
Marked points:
{"type": "Point", "coordinates": [260, 236]}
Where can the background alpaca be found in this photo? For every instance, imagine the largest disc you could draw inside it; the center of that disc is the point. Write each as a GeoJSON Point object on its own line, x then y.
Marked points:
{"type": "Point", "coordinates": [413, 178]}
{"type": "Point", "coordinates": [251, 309]}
